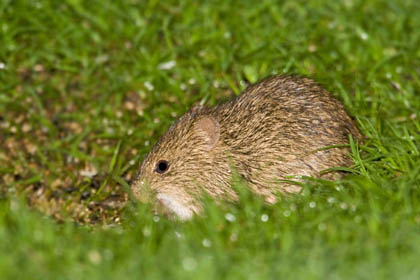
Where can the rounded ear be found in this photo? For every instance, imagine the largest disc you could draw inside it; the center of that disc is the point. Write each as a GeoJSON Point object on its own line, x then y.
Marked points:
{"type": "Point", "coordinates": [210, 129]}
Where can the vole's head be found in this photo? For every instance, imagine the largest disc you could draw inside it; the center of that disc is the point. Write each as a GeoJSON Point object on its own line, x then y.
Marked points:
{"type": "Point", "coordinates": [172, 174]}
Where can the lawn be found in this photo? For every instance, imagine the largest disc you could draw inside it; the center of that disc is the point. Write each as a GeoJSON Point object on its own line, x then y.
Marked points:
{"type": "Point", "coordinates": [87, 87]}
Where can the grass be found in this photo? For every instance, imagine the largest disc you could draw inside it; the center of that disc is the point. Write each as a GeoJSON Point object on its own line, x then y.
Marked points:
{"type": "Point", "coordinates": [86, 87]}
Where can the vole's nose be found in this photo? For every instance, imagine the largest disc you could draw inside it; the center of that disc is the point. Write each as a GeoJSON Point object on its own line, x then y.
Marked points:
{"type": "Point", "coordinates": [141, 190]}
{"type": "Point", "coordinates": [138, 184]}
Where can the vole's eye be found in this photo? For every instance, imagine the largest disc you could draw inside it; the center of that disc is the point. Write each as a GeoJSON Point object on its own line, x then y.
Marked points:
{"type": "Point", "coordinates": [161, 166]}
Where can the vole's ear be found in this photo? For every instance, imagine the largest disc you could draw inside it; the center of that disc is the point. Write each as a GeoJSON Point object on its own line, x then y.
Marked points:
{"type": "Point", "coordinates": [210, 129]}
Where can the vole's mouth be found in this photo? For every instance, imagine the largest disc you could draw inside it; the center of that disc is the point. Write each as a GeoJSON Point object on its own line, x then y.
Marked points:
{"type": "Point", "coordinates": [170, 204]}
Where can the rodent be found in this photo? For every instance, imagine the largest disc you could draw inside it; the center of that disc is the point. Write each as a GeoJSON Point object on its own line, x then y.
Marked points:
{"type": "Point", "coordinates": [274, 129]}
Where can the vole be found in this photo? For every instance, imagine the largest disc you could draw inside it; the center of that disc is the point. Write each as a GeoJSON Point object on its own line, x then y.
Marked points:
{"type": "Point", "coordinates": [275, 129]}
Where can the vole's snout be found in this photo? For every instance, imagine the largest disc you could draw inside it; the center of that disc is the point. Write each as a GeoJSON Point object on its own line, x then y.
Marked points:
{"type": "Point", "coordinates": [139, 190]}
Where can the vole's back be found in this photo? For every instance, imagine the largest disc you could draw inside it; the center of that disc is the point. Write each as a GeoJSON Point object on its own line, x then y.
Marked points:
{"type": "Point", "coordinates": [277, 127]}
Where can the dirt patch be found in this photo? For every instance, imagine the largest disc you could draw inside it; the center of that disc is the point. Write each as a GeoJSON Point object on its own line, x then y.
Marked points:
{"type": "Point", "coordinates": [56, 149]}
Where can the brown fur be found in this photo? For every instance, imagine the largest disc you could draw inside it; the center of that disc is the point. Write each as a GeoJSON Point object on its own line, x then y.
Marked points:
{"type": "Point", "coordinates": [271, 131]}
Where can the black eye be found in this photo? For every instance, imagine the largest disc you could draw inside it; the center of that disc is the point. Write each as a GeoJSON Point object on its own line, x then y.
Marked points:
{"type": "Point", "coordinates": [162, 166]}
